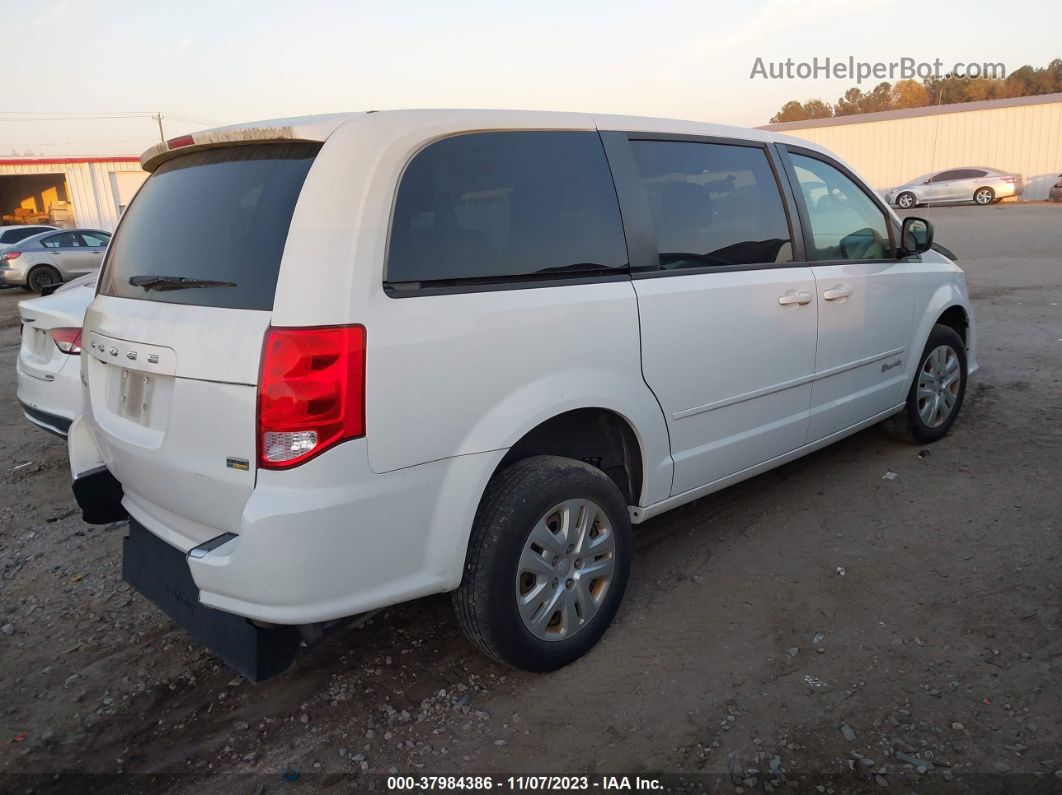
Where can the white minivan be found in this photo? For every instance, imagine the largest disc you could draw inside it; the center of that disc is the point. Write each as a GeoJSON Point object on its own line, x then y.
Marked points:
{"type": "Point", "coordinates": [340, 362]}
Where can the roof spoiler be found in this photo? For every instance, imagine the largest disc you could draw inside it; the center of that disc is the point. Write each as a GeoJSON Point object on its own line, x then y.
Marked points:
{"type": "Point", "coordinates": [223, 136]}
{"type": "Point", "coordinates": [307, 128]}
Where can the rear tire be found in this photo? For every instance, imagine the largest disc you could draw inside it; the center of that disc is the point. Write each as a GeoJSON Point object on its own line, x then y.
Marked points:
{"type": "Point", "coordinates": [42, 276]}
{"type": "Point", "coordinates": [936, 393]}
{"type": "Point", "coordinates": [539, 606]}
{"type": "Point", "coordinates": [984, 196]}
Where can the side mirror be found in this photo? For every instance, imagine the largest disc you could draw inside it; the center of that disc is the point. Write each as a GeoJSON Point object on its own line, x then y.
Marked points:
{"type": "Point", "coordinates": [916, 235]}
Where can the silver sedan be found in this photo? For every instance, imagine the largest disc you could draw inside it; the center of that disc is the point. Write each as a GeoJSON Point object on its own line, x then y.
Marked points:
{"type": "Point", "coordinates": [53, 257]}
{"type": "Point", "coordinates": [981, 186]}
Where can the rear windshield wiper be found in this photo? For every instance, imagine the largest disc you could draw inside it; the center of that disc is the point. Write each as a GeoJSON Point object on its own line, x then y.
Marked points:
{"type": "Point", "coordinates": [174, 282]}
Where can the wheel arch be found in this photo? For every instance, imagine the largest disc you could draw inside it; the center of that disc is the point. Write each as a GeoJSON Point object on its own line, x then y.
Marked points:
{"type": "Point", "coordinates": [599, 436]}
{"type": "Point", "coordinates": [597, 428]}
{"type": "Point", "coordinates": [949, 307]}
{"type": "Point", "coordinates": [956, 317]}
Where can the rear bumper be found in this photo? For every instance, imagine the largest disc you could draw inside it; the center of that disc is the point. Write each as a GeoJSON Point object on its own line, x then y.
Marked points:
{"type": "Point", "coordinates": [15, 277]}
{"type": "Point", "coordinates": [51, 405]}
{"type": "Point", "coordinates": [53, 423]}
{"type": "Point", "coordinates": [161, 573]}
{"type": "Point", "coordinates": [331, 539]}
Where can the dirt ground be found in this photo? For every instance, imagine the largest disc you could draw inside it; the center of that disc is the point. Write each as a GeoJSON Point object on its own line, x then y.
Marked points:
{"type": "Point", "coordinates": [816, 627]}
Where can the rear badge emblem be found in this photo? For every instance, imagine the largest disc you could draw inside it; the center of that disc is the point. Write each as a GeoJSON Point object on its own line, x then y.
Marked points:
{"type": "Point", "coordinates": [241, 464]}
{"type": "Point", "coordinates": [114, 351]}
{"type": "Point", "coordinates": [131, 355]}
{"type": "Point", "coordinates": [153, 358]}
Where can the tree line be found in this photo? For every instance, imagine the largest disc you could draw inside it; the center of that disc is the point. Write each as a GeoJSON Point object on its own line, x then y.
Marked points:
{"type": "Point", "coordinates": [1024, 82]}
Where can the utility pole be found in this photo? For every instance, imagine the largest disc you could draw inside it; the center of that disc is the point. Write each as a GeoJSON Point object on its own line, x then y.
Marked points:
{"type": "Point", "coordinates": [158, 117]}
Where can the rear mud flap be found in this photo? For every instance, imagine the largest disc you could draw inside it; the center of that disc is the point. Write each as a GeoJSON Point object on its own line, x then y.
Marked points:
{"type": "Point", "coordinates": [99, 495]}
{"type": "Point", "coordinates": [160, 572]}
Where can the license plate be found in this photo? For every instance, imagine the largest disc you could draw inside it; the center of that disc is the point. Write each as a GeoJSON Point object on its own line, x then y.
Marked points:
{"type": "Point", "coordinates": [42, 344]}
{"type": "Point", "coordinates": [135, 396]}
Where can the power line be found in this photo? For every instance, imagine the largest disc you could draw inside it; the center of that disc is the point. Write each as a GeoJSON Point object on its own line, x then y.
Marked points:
{"type": "Point", "coordinates": [71, 118]}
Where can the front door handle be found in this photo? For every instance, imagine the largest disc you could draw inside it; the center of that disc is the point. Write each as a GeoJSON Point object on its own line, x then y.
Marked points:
{"type": "Point", "coordinates": [836, 293]}
{"type": "Point", "coordinates": [794, 298]}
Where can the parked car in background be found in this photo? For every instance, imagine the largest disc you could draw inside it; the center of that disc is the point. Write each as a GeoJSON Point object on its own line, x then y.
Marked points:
{"type": "Point", "coordinates": [978, 185]}
{"type": "Point", "coordinates": [53, 257]}
{"type": "Point", "coordinates": [48, 364]}
{"type": "Point", "coordinates": [10, 235]}
{"type": "Point", "coordinates": [1056, 190]}
{"type": "Point", "coordinates": [385, 355]}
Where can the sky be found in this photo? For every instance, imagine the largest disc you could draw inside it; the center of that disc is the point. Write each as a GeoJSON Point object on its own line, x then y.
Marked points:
{"type": "Point", "coordinates": [203, 63]}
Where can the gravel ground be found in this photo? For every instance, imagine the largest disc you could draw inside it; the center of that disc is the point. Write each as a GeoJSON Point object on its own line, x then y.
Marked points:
{"type": "Point", "coordinates": [819, 628]}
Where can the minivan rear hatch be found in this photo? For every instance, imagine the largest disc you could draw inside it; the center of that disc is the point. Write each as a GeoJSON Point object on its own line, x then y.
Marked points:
{"type": "Point", "coordinates": [174, 337]}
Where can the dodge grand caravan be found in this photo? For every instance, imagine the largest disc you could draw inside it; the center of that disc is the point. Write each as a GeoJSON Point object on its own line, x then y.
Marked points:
{"type": "Point", "coordinates": [335, 363]}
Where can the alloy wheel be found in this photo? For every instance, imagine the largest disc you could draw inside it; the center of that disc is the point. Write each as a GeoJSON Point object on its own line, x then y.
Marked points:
{"type": "Point", "coordinates": [565, 569]}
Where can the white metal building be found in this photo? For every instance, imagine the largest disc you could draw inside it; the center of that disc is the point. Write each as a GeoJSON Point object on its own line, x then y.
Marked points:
{"type": "Point", "coordinates": [68, 191]}
{"type": "Point", "coordinates": [1021, 135]}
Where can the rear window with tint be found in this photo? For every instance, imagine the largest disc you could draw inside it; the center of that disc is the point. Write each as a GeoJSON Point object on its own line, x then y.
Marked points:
{"type": "Point", "coordinates": [219, 215]}
{"type": "Point", "coordinates": [506, 206]}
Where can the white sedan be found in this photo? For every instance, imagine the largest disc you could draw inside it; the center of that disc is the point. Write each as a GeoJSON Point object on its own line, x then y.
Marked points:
{"type": "Point", "coordinates": [49, 370]}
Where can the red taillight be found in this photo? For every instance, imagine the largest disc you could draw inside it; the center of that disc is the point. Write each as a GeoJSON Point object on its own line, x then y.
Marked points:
{"type": "Point", "coordinates": [177, 143]}
{"type": "Point", "coordinates": [311, 392]}
{"type": "Point", "coordinates": [11, 255]}
{"type": "Point", "coordinates": [68, 340]}
{"type": "Point", "coordinates": [1009, 179]}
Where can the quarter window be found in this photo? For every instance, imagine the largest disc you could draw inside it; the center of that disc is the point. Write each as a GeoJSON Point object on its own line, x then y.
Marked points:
{"type": "Point", "coordinates": [845, 222]}
{"type": "Point", "coordinates": [506, 205]}
{"type": "Point", "coordinates": [713, 204]}
{"type": "Point", "coordinates": [94, 239]}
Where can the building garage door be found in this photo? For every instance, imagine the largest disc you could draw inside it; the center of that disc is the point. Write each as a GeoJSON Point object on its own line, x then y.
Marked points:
{"type": "Point", "coordinates": [35, 199]}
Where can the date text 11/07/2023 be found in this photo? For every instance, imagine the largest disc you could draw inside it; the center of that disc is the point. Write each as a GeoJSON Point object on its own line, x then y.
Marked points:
{"type": "Point", "coordinates": [523, 783]}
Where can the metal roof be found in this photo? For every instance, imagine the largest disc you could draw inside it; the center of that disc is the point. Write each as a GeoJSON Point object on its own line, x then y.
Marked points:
{"type": "Point", "coordinates": [909, 113]}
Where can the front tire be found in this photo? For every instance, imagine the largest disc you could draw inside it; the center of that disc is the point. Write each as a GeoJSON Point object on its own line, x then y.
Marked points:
{"type": "Point", "coordinates": [547, 564]}
{"type": "Point", "coordinates": [937, 392]}
{"type": "Point", "coordinates": [984, 196]}
{"type": "Point", "coordinates": [906, 200]}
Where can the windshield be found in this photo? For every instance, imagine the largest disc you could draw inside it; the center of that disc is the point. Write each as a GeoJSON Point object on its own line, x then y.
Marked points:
{"type": "Point", "coordinates": [210, 226]}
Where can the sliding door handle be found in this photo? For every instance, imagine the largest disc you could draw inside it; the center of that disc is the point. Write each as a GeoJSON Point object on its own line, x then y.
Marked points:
{"type": "Point", "coordinates": [836, 293]}
{"type": "Point", "coordinates": [795, 298]}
